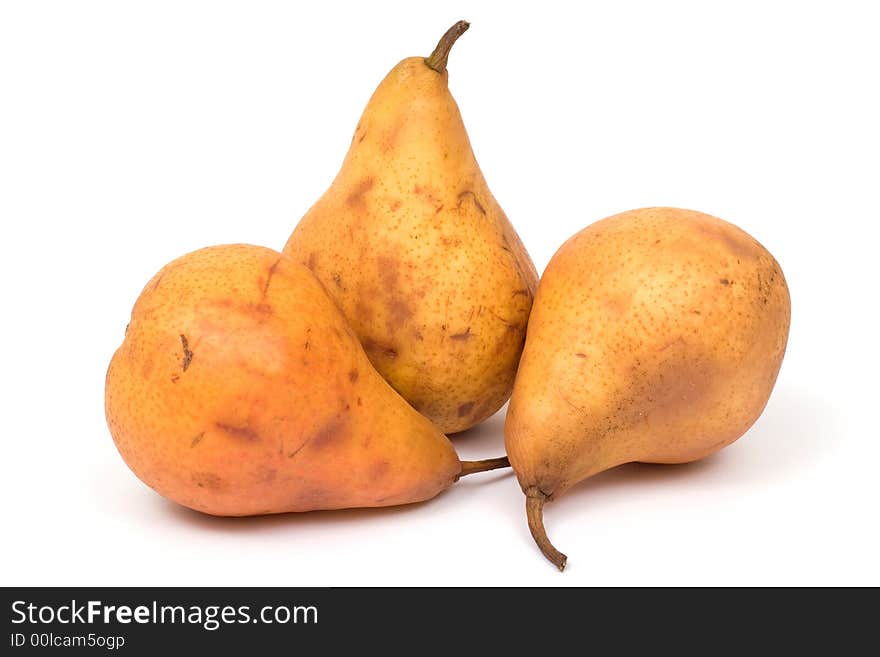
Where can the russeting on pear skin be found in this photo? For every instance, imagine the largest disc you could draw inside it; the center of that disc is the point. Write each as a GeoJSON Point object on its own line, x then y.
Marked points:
{"type": "Point", "coordinates": [240, 389]}
{"type": "Point", "coordinates": [656, 336]}
{"type": "Point", "coordinates": [415, 250]}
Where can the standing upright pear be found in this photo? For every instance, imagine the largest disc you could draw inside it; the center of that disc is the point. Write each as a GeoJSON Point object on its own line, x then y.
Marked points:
{"type": "Point", "coordinates": [418, 255]}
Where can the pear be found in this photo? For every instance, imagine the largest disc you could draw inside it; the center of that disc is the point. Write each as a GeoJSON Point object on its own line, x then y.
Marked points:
{"type": "Point", "coordinates": [239, 389]}
{"type": "Point", "coordinates": [656, 336]}
{"type": "Point", "coordinates": [415, 250]}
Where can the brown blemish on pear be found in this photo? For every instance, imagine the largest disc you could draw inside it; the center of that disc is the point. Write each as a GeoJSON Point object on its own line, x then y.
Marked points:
{"type": "Point", "coordinates": [332, 432]}
{"type": "Point", "coordinates": [355, 198]}
{"type": "Point", "coordinates": [465, 409]}
{"type": "Point", "coordinates": [187, 354]}
{"type": "Point", "coordinates": [239, 433]}
{"type": "Point", "coordinates": [469, 194]}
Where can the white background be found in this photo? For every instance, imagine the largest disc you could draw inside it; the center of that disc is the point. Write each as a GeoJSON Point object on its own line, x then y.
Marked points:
{"type": "Point", "coordinates": [131, 133]}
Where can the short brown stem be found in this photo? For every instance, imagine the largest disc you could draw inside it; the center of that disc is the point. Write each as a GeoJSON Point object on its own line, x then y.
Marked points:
{"type": "Point", "coordinates": [438, 58]}
{"type": "Point", "coordinates": [535, 499]}
{"type": "Point", "coordinates": [471, 467]}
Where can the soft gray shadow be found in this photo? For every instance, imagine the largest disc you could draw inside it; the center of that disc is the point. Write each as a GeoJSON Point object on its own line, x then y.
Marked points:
{"type": "Point", "coordinates": [794, 433]}
{"type": "Point", "coordinates": [485, 440]}
{"type": "Point", "coordinates": [283, 520]}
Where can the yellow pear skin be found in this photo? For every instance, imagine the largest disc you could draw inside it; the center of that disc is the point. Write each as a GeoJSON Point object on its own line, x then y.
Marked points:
{"type": "Point", "coordinates": [239, 389]}
{"type": "Point", "coordinates": [417, 253]}
{"type": "Point", "coordinates": [656, 336]}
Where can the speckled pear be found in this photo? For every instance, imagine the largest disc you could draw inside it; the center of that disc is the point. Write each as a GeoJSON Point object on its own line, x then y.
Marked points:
{"type": "Point", "coordinates": [240, 389]}
{"type": "Point", "coordinates": [656, 336]}
{"type": "Point", "coordinates": [415, 250]}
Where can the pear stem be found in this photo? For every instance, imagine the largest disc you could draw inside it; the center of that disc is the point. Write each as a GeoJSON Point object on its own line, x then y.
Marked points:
{"type": "Point", "coordinates": [472, 467]}
{"type": "Point", "coordinates": [535, 499]}
{"type": "Point", "coordinates": [438, 58]}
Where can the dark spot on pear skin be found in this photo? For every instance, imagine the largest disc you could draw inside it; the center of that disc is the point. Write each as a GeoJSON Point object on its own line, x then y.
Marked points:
{"type": "Point", "coordinates": [312, 262]}
{"type": "Point", "coordinates": [379, 469]}
{"type": "Point", "coordinates": [429, 196]}
{"type": "Point", "coordinates": [207, 480]}
{"type": "Point", "coordinates": [399, 312]}
{"type": "Point", "coordinates": [512, 332]}
{"type": "Point", "coordinates": [337, 279]}
{"type": "Point", "coordinates": [355, 135]}
{"type": "Point", "coordinates": [331, 432]}
{"type": "Point", "coordinates": [297, 450]}
{"type": "Point", "coordinates": [241, 433]}
{"type": "Point", "coordinates": [327, 434]}
{"type": "Point", "coordinates": [269, 275]}
{"type": "Point", "coordinates": [581, 355]}
{"type": "Point", "coordinates": [739, 245]}
{"type": "Point", "coordinates": [355, 199]}
{"type": "Point", "coordinates": [389, 271]}
{"type": "Point", "coordinates": [464, 335]}
{"type": "Point", "coordinates": [524, 293]}
{"type": "Point", "coordinates": [147, 369]}
{"type": "Point", "coordinates": [195, 441]}
{"type": "Point", "coordinates": [724, 281]}
{"type": "Point", "coordinates": [378, 349]}
{"type": "Point", "coordinates": [390, 137]}
{"type": "Point", "coordinates": [465, 408]}
{"type": "Point", "coordinates": [263, 309]}
{"type": "Point", "coordinates": [484, 409]}
{"type": "Point", "coordinates": [187, 354]}
{"type": "Point", "coordinates": [353, 376]}
{"type": "Point", "coordinates": [469, 193]}
{"type": "Point", "coordinates": [175, 378]}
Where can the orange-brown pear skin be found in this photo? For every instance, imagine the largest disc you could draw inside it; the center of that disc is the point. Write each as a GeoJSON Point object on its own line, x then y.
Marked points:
{"type": "Point", "coordinates": [656, 336]}
{"type": "Point", "coordinates": [239, 389]}
{"type": "Point", "coordinates": [415, 250]}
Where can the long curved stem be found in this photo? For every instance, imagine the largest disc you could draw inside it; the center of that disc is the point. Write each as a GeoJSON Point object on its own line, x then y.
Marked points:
{"type": "Point", "coordinates": [535, 499]}
{"type": "Point", "coordinates": [439, 57]}
{"type": "Point", "coordinates": [471, 467]}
